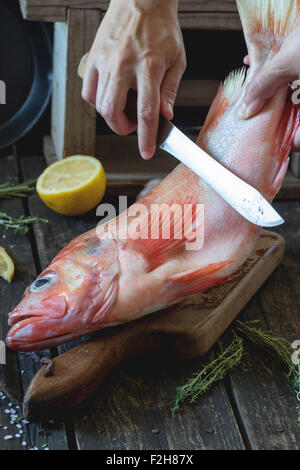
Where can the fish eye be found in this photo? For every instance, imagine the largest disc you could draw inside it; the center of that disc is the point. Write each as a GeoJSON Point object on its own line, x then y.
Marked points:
{"type": "Point", "coordinates": [40, 283]}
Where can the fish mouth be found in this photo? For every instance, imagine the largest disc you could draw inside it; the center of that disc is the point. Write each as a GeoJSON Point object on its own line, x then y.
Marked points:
{"type": "Point", "coordinates": [19, 316]}
{"type": "Point", "coordinates": [28, 344]}
{"type": "Point", "coordinates": [25, 333]}
{"type": "Point", "coordinates": [38, 326]}
{"type": "Point", "coordinates": [49, 309]}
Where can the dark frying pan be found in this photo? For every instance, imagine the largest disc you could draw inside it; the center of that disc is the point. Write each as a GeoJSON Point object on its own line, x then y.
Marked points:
{"type": "Point", "coordinates": [26, 69]}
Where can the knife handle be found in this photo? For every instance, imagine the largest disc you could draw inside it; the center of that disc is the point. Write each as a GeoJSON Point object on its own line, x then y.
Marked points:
{"type": "Point", "coordinates": [79, 371]}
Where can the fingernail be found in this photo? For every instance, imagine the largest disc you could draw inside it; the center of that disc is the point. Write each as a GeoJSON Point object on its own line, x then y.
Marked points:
{"type": "Point", "coordinates": [244, 111]}
{"type": "Point", "coordinates": [146, 154]}
{"type": "Point", "coordinates": [170, 109]}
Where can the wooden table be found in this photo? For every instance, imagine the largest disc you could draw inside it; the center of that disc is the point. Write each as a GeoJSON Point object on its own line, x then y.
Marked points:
{"type": "Point", "coordinates": [253, 409]}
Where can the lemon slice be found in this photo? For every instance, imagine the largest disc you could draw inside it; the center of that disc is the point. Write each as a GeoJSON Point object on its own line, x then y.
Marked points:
{"type": "Point", "coordinates": [72, 186]}
{"type": "Point", "coordinates": [7, 267]}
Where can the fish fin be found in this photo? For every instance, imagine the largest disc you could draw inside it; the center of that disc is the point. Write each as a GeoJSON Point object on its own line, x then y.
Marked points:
{"type": "Point", "coordinates": [108, 301]}
{"type": "Point", "coordinates": [284, 141]}
{"type": "Point", "coordinates": [227, 94]}
{"type": "Point", "coordinates": [199, 280]}
{"type": "Point", "coordinates": [233, 85]}
{"type": "Point", "coordinates": [272, 18]}
{"type": "Point", "coordinates": [164, 232]}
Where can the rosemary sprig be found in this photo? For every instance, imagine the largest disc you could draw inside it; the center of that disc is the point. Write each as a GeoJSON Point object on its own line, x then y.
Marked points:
{"type": "Point", "coordinates": [212, 372]}
{"type": "Point", "coordinates": [9, 191]}
{"type": "Point", "coordinates": [278, 347]}
{"type": "Point", "coordinates": [20, 224]}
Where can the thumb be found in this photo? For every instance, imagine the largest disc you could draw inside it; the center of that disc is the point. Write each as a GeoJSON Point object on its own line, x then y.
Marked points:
{"type": "Point", "coordinates": [263, 86]}
{"type": "Point", "coordinates": [169, 87]}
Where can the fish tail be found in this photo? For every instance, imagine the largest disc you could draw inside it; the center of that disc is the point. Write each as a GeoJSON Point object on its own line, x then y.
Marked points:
{"type": "Point", "coordinates": [266, 23]}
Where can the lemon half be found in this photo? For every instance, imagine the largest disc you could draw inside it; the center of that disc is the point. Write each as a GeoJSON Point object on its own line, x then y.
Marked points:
{"type": "Point", "coordinates": [7, 267]}
{"type": "Point", "coordinates": [72, 186]}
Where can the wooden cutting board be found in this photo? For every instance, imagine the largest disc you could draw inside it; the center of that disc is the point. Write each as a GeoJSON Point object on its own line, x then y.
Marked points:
{"type": "Point", "coordinates": [188, 330]}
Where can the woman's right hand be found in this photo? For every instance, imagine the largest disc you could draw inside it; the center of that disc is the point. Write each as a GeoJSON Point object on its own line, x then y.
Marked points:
{"type": "Point", "coordinates": [138, 46]}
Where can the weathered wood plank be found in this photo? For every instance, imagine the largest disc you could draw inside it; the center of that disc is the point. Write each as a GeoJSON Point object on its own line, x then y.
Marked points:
{"type": "Point", "coordinates": [265, 400]}
{"type": "Point", "coordinates": [192, 14]}
{"type": "Point", "coordinates": [126, 172]}
{"type": "Point", "coordinates": [210, 21]}
{"type": "Point", "coordinates": [19, 247]}
{"type": "Point", "coordinates": [184, 5]}
{"type": "Point", "coordinates": [123, 416]}
{"type": "Point", "coordinates": [135, 402]}
{"type": "Point", "coordinates": [197, 93]}
{"type": "Point", "coordinates": [73, 121]}
{"type": "Point", "coordinates": [42, 12]}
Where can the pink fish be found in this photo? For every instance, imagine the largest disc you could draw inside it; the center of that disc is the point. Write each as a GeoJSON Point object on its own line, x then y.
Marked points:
{"type": "Point", "coordinates": [96, 282]}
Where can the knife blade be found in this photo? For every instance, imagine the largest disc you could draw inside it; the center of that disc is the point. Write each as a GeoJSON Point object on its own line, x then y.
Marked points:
{"type": "Point", "coordinates": [242, 197]}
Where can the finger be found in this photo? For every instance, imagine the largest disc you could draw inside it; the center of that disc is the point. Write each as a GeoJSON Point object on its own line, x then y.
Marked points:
{"type": "Point", "coordinates": [169, 87]}
{"type": "Point", "coordinates": [89, 85]}
{"type": "Point", "coordinates": [148, 113]}
{"type": "Point", "coordinates": [296, 146]}
{"type": "Point", "coordinates": [82, 65]}
{"type": "Point", "coordinates": [101, 89]}
{"type": "Point", "coordinates": [264, 86]}
{"type": "Point", "coordinates": [113, 105]}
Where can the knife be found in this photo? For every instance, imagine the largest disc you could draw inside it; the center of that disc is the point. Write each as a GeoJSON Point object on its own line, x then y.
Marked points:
{"type": "Point", "coordinates": [242, 197]}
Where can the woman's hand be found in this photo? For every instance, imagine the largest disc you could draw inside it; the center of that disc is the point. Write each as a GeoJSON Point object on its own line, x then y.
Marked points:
{"type": "Point", "coordinates": [284, 68]}
{"type": "Point", "coordinates": [138, 46]}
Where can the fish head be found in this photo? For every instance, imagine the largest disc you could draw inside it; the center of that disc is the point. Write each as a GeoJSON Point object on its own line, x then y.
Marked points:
{"type": "Point", "coordinates": [69, 299]}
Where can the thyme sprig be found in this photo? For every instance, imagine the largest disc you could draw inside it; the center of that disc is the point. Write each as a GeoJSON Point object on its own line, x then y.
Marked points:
{"type": "Point", "coordinates": [20, 224]}
{"type": "Point", "coordinates": [278, 347]}
{"type": "Point", "coordinates": [9, 191]}
{"type": "Point", "coordinates": [217, 368]}
{"type": "Point", "coordinates": [214, 371]}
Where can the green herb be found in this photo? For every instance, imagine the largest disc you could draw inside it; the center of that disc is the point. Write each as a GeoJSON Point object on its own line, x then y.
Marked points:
{"type": "Point", "coordinates": [278, 347]}
{"type": "Point", "coordinates": [20, 224]}
{"type": "Point", "coordinates": [9, 191]}
{"type": "Point", "coordinates": [212, 373]}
